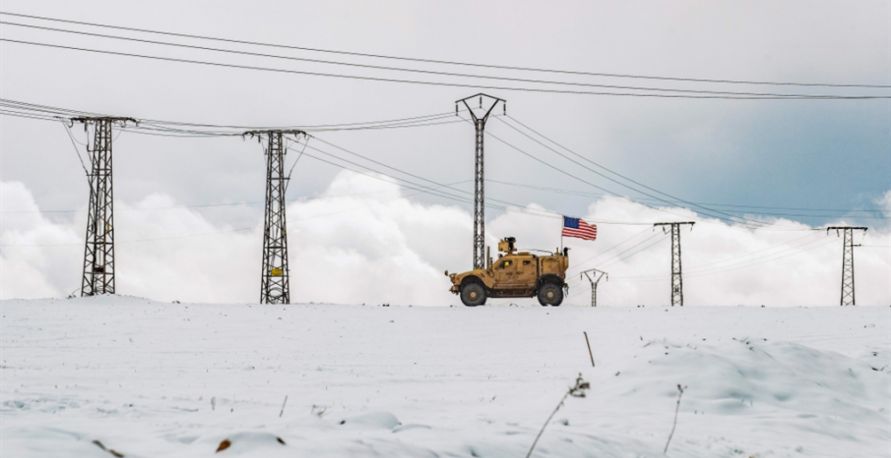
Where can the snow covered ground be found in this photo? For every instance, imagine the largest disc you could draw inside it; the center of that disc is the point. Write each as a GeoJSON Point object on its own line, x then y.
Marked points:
{"type": "Point", "coordinates": [149, 379]}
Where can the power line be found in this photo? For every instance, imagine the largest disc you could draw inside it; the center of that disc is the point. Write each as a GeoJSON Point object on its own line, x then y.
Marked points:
{"type": "Point", "coordinates": [124, 210]}
{"type": "Point", "coordinates": [711, 211]}
{"type": "Point", "coordinates": [76, 151]}
{"type": "Point", "coordinates": [845, 210]}
{"type": "Point", "coordinates": [760, 261]}
{"type": "Point", "coordinates": [748, 260]}
{"type": "Point", "coordinates": [412, 185]}
{"type": "Point", "coordinates": [630, 251]}
{"type": "Point", "coordinates": [44, 109]}
{"type": "Point", "coordinates": [745, 260]}
{"type": "Point", "coordinates": [428, 189]}
{"type": "Point", "coordinates": [387, 166]}
{"type": "Point", "coordinates": [580, 179]}
{"type": "Point", "coordinates": [371, 174]}
{"type": "Point", "coordinates": [755, 262]}
{"type": "Point", "coordinates": [584, 194]}
{"type": "Point", "coordinates": [138, 240]}
{"type": "Point", "coordinates": [451, 62]}
{"type": "Point", "coordinates": [165, 125]}
{"type": "Point", "coordinates": [633, 250]}
{"type": "Point", "coordinates": [163, 131]}
{"type": "Point", "coordinates": [611, 248]}
{"type": "Point", "coordinates": [409, 70]}
{"type": "Point", "coordinates": [18, 114]}
{"type": "Point", "coordinates": [178, 132]}
{"type": "Point", "coordinates": [708, 211]}
{"type": "Point", "coordinates": [432, 83]}
{"type": "Point", "coordinates": [753, 225]}
{"type": "Point", "coordinates": [468, 194]}
{"type": "Point", "coordinates": [751, 259]}
{"type": "Point", "coordinates": [755, 254]}
{"type": "Point", "coordinates": [363, 125]}
{"type": "Point", "coordinates": [296, 160]}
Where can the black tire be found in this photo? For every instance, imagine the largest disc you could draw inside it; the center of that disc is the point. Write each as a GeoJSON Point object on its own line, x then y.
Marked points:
{"type": "Point", "coordinates": [550, 294]}
{"type": "Point", "coordinates": [473, 294]}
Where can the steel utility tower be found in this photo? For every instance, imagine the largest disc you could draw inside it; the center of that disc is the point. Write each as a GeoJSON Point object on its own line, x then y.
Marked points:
{"type": "Point", "coordinates": [98, 267]}
{"type": "Point", "coordinates": [479, 194]}
{"type": "Point", "coordinates": [274, 276]}
{"type": "Point", "coordinates": [594, 277]}
{"type": "Point", "coordinates": [847, 280]}
{"type": "Point", "coordinates": [677, 280]}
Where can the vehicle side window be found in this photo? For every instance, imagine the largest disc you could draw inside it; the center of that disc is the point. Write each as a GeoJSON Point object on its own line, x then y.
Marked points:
{"type": "Point", "coordinates": [527, 262]}
{"type": "Point", "coordinates": [505, 264]}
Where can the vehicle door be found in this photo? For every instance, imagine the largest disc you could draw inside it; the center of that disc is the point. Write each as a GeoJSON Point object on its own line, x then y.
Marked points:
{"type": "Point", "coordinates": [527, 271]}
{"type": "Point", "coordinates": [505, 271]}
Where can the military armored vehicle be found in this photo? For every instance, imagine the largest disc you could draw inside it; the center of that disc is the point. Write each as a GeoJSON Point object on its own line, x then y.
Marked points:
{"type": "Point", "coordinates": [514, 274]}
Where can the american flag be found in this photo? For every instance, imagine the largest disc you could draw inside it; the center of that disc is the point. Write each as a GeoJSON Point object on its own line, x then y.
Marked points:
{"type": "Point", "coordinates": [577, 227]}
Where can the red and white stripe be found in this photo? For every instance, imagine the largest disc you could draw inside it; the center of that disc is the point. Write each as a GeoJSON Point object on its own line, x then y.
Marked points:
{"type": "Point", "coordinates": [585, 231]}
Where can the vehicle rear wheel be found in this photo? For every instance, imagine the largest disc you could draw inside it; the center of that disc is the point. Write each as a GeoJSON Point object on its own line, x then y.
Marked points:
{"type": "Point", "coordinates": [473, 294]}
{"type": "Point", "coordinates": [550, 294]}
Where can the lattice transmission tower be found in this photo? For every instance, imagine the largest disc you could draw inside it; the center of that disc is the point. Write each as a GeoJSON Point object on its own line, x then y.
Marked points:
{"type": "Point", "coordinates": [274, 274]}
{"type": "Point", "coordinates": [847, 271]}
{"type": "Point", "coordinates": [594, 276]}
{"type": "Point", "coordinates": [677, 279]}
{"type": "Point", "coordinates": [479, 118]}
{"type": "Point", "coordinates": [99, 266]}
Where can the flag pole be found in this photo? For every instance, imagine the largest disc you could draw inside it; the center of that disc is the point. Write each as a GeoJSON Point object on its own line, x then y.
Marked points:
{"type": "Point", "coordinates": [562, 224]}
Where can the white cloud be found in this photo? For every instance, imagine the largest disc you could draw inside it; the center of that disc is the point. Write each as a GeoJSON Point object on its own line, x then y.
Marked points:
{"type": "Point", "coordinates": [30, 265]}
{"type": "Point", "coordinates": [885, 203]}
{"type": "Point", "coordinates": [364, 241]}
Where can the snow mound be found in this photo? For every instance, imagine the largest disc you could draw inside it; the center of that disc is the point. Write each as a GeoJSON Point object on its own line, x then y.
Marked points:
{"type": "Point", "coordinates": [766, 386]}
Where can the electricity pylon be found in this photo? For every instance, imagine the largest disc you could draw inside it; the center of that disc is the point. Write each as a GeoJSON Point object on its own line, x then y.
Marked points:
{"type": "Point", "coordinates": [847, 280]}
{"type": "Point", "coordinates": [274, 275]}
{"type": "Point", "coordinates": [594, 277]}
{"type": "Point", "coordinates": [98, 266]}
{"type": "Point", "coordinates": [677, 280]}
{"type": "Point", "coordinates": [479, 194]}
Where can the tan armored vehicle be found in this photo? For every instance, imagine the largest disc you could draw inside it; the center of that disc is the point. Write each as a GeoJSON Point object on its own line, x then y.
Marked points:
{"type": "Point", "coordinates": [514, 274]}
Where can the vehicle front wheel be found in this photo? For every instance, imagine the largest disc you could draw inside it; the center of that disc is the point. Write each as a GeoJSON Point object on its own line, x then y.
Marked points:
{"type": "Point", "coordinates": [473, 294]}
{"type": "Point", "coordinates": [550, 294]}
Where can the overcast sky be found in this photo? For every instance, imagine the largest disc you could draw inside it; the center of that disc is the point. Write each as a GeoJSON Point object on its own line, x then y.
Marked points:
{"type": "Point", "coordinates": [358, 239]}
